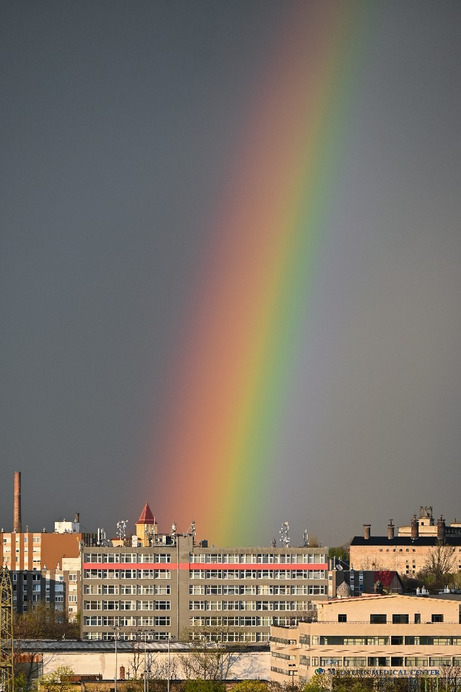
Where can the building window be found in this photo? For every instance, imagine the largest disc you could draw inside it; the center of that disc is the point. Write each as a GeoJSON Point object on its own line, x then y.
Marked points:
{"type": "Point", "coordinates": [417, 618]}
{"type": "Point", "coordinates": [400, 619]}
{"type": "Point", "coordinates": [342, 617]}
{"type": "Point", "coordinates": [437, 617]}
{"type": "Point", "coordinates": [396, 641]}
{"type": "Point", "coordinates": [355, 662]}
{"type": "Point", "coordinates": [378, 619]}
{"type": "Point", "coordinates": [377, 661]}
{"type": "Point", "coordinates": [416, 661]}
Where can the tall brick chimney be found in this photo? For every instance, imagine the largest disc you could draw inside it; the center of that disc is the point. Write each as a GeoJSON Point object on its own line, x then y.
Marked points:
{"type": "Point", "coordinates": [17, 523]}
{"type": "Point", "coordinates": [390, 530]}
{"type": "Point", "coordinates": [414, 528]}
{"type": "Point", "coordinates": [441, 529]}
{"type": "Point", "coordinates": [367, 531]}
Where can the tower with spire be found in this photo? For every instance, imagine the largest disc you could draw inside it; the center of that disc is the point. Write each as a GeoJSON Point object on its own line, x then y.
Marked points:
{"type": "Point", "coordinates": [146, 527]}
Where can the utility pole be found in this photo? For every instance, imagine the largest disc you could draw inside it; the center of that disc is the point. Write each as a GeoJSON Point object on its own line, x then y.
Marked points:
{"type": "Point", "coordinates": [6, 632]}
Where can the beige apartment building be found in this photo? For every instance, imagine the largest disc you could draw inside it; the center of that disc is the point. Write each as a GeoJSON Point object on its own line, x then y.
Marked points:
{"type": "Point", "coordinates": [371, 636]}
{"type": "Point", "coordinates": [45, 566]}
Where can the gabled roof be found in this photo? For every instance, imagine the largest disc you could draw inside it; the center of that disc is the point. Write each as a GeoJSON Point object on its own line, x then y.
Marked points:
{"type": "Point", "coordinates": [385, 577]}
{"type": "Point", "coordinates": [146, 516]}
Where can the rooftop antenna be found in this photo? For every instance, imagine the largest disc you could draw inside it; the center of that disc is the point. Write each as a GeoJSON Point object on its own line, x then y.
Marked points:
{"type": "Point", "coordinates": [284, 534]}
{"type": "Point", "coordinates": [305, 539]}
{"type": "Point", "coordinates": [121, 529]}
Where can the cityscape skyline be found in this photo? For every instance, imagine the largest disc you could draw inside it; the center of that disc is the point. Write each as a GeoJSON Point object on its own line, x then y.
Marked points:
{"type": "Point", "coordinates": [229, 267]}
{"type": "Point", "coordinates": [424, 517]}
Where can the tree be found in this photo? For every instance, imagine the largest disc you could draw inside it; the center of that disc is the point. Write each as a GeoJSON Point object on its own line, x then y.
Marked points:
{"type": "Point", "coordinates": [438, 567]}
{"type": "Point", "coordinates": [207, 662]}
{"type": "Point", "coordinates": [318, 683]}
{"type": "Point", "coordinates": [41, 622]}
{"type": "Point", "coordinates": [451, 677]}
{"type": "Point", "coordinates": [136, 664]}
{"type": "Point", "coordinates": [340, 552]}
{"type": "Point", "coordinates": [251, 686]}
{"type": "Point", "coordinates": [44, 622]}
{"type": "Point", "coordinates": [58, 680]}
{"type": "Point", "coordinates": [204, 686]}
{"type": "Point", "coordinates": [209, 658]}
{"type": "Point", "coordinates": [350, 684]}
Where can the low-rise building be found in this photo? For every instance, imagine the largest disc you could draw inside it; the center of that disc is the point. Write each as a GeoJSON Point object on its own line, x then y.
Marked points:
{"type": "Point", "coordinates": [370, 636]}
{"type": "Point", "coordinates": [349, 582]}
{"type": "Point", "coordinates": [409, 552]}
{"type": "Point", "coordinates": [102, 661]}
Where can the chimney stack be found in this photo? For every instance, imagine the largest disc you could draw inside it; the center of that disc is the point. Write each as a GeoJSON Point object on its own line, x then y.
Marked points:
{"type": "Point", "coordinates": [414, 528]}
{"type": "Point", "coordinates": [367, 531]}
{"type": "Point", "coordinates": [390, 530]}
{"type": "Point", "coordinates": [441, 529]}
{"type": "Point", "coordinates": [17, 523]}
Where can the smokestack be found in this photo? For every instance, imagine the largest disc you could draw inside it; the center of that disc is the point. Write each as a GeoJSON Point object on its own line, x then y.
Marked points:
{"type": "Point", "coordinates": [414, 528]}
{"type": "Point", "coordinates": [441, 529]}
{"type": "Point", "coordinates": [390, 530]}
{"type": "Point", "coordinates": [17, 523]}
{"type": "Point", "coordinates": [366, 531]}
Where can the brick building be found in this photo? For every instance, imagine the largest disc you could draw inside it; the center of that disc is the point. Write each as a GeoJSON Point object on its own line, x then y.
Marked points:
{"type": "Point", "coordinates": [408, 552]}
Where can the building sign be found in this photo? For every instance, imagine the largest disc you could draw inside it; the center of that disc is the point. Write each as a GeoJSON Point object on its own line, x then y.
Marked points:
{"type": "Point", "coordinates": [381, 672]}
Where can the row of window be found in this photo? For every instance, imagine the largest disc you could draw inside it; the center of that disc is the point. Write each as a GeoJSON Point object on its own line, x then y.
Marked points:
{"type": "Point", "coordinates": [127, 589]}
{"type": "Point", "coordinates": [240, 574]}
{"type": "Point", "coordinates": [132, 558]}
{"type": "Point", "coordinates": [225, 637]}
{"type": "Point", "coordinates": [258, 559]}
{"type": "Point", "coordinates": [248, 605]}
{"type": "Point", "coordinates": [240, 621]}
{"type": "Point", "coordinates": [422, 640]}
{"type": "Point", "coordinates": [381, 661]}
{"type": "Point", "coordinates": [127, 574]}
{"type": "Point", "coordinates": [126, 605]}
{"type": "Point", "coordinates": [104, 621]}
{"type": "Point", "coordinates": [231, 637]}
{"type": "Point", "coordinates": [397, 618]}
{"type": "Point", "coordinates": [284, 671]}
{"type": "Point", "coordinates": [124, 636]}
{"type": "Point", "coordinates": [253, 590]}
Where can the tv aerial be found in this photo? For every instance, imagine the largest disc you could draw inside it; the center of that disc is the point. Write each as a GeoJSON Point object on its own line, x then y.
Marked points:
{"type": "Point", "coordinates": [284, 534]}
{"type": "Point", "coordinates": [305, 538]}
{"type": "Point", "coordinates": [121, 529]}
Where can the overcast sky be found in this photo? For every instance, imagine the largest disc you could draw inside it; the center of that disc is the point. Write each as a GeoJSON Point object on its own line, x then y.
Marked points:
{"type": "Point", "coordinates": [118, 123]}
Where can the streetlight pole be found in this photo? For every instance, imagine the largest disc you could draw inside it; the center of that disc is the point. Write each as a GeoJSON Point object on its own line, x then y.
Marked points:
{"type": "Point", "coordinates": [116, 630]}
{"type": "Point", "coordinates": [145, 687]}
{"type": "Point", "coordinates": [143, 634]}
{"type": "Point", "coordinates": [292, 672]}
{"type": "Point", "coordinates": [169, 662]}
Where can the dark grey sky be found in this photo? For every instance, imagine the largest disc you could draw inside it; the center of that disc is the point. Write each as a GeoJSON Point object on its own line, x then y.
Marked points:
{"type": "Point", "coordinates": [118, 124]}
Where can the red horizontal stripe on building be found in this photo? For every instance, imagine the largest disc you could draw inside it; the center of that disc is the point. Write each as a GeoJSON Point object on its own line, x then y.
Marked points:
{"type": "Point", "coordinates": [202, 566]}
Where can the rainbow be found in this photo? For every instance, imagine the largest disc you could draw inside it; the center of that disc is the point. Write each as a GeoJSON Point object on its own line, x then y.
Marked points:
{"type": "Point", "coordinates": [214, 459]}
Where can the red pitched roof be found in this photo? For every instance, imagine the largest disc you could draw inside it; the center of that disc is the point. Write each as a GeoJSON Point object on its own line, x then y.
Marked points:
{"type": "Point", "coordinates": [146, 516]}
{"type": "Point", "coordinates": [385, 577]}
